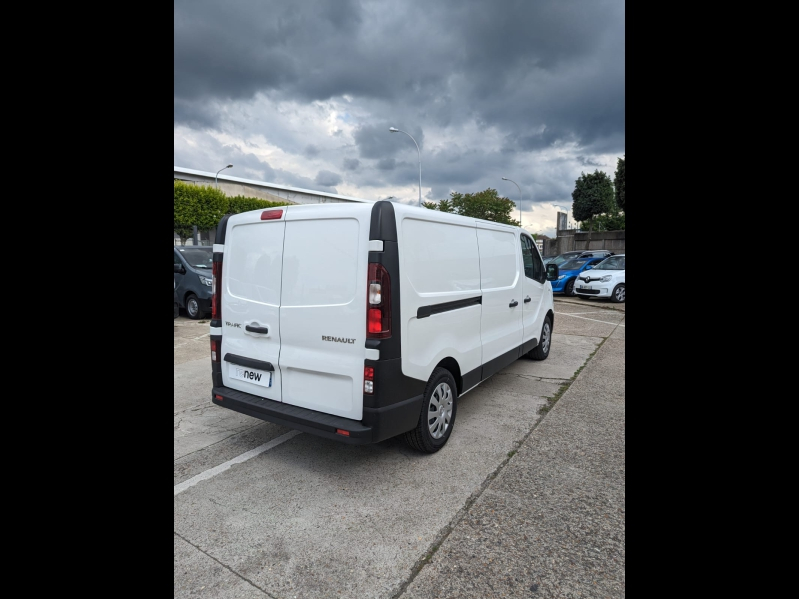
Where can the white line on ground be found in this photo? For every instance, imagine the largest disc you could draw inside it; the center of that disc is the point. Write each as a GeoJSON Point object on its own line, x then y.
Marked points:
{"type": "Point", "coordinates": [180, 487]}
{"type": "Point", "coordinates": [594, 312]}
{"type": "Point", "coordinates": [591, 319]}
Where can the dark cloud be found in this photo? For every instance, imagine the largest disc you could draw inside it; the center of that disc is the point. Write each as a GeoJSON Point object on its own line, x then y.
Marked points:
{"type": "Point", "coordinates": [534, 91]}
{"type": "Point", "coordinates": [327, 179]}
{"type": "Point", "coordinates": [351, 164]}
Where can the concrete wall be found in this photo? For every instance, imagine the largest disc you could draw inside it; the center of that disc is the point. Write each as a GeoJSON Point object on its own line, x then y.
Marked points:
{"type": "Point", "coordinates": [570, 240]}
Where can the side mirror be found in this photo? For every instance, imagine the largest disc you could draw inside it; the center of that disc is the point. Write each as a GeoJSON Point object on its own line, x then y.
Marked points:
{"type": "Point", "coordinates": [179, 268]}
{"type": "Point", "coordinates": [552, 272]}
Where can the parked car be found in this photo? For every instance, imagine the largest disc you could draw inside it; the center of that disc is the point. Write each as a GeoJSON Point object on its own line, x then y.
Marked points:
{"type": "Point", "coordinates": [596, 254]}
{"type": "Point", "coordinates": [569, 271]}
{"type": "Point", "coordinates": [293, 342]}
{"type": "Point", "coordinates": [606, 279]}
{"type": "Point", "coordinates": [193, 277]}
{"type": "Point", "coordinates": [546, 259]}
{"type": "Point", "coordinates": [564, 257]}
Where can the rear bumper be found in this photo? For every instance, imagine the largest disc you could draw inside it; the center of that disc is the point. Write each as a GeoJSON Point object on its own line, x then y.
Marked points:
{"type": "Point", "coordinates": [377, 425]}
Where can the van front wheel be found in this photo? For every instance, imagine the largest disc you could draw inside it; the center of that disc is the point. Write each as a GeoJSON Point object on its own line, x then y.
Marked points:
{"type": "Point", "coordinates": [438, 413]}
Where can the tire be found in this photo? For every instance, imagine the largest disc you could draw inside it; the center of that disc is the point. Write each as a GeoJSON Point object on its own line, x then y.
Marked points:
{"type": "Point", "coordinates": [437, 417]}
{"type": "Point", "coordinates": [569, 289]}
{"type": "Point", "coordinates": [193, 310]}
{"type": "Point", "coordinates": [541, 351]}
{"type": "Point", "coordinates": [618, 295]}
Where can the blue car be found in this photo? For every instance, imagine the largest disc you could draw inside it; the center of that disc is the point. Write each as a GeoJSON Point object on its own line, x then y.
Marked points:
{"type": "Point", "coordinates": [569, 271]}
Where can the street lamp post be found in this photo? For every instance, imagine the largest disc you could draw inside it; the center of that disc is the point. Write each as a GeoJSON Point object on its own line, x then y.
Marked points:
{"type": "Point", "coordinates": [216, 181]}
{"type": "Point", "coordinates": [395, 130]}
{"type": "Point", "coordinates": [520, 198]}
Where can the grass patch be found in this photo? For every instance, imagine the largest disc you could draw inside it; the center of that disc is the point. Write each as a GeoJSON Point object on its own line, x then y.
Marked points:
{"type": "Point", "coordinates": [511, 453]}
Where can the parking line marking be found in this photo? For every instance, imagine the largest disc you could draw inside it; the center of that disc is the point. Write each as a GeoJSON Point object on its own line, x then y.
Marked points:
{"type": "Point", "coordinates": [180, 487]}
{"type": "Point", "coordinates": [594, 312]}
{"type": "Point", "coordinates": [591, 319]}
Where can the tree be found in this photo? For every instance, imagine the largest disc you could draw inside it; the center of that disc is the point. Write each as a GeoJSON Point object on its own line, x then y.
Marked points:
{"type": "Point", "coordinates": [592, 195]}
{"type": "Point", "coordinates": [618, 183]}
{"type": "Point", "coordinates": [486, 205]}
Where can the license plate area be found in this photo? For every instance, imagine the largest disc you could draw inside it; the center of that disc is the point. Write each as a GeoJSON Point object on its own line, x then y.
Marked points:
{"type": "Point", "coordinates": [250, 375]}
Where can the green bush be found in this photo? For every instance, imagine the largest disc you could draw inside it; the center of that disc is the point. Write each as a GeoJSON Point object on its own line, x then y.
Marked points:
{"type": "Point", "coordinates": [205, 205]}
{"type": "Point", "coordinates": [238, 204]}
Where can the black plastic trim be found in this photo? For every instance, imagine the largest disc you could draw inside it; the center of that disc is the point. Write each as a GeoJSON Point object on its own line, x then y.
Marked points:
{"type": "Point", "coordinates": [493, 366]}
{"type": "Point", "coordinates": [393, 420]}
{"type": "Point", "coordinates": [249, 362]}
{"type": "Point", "coordinates": [391, 385]}
{"type": "Point", "coordinates": [425, 311]}
{"type": "Point", "coordinates": [528, 345]}
{"type": "Point", "coordinates": [471, 378]}
{"type": "Point", "coordinates": [384, 224]}
{"type": "Point", "coordinates": [221, 230]}
{"type": "Point", "coordinates": [216, 323]}
{"type": "Point", "coordinates": [216, 374]}
{"type": "Point", "coordinates": [303, 419]}
{"type": "Point", "coordinates": [216, 337]}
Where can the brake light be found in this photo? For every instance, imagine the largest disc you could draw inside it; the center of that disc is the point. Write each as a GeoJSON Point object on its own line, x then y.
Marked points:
{"type": "Point", "coordinates": [271, 214]}
{"type": "Point", "coordinates": [216, 291]}
{"type": "Point", "coordinates": [215, 350]}
{"type": "Point", "coordinates": [378, 303]}
{"type": "Point", "coordinates": [369, 380]}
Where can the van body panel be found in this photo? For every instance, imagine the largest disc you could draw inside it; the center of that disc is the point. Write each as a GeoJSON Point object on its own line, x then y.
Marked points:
{"type": "Point", "coordinates": [439, 264]}
{"type": "Point", "coordinates": [501, 284]}
{"type": "Point", "coordinates": [251, 284]}
{"type": "Point", "coordinates": [323, 308]}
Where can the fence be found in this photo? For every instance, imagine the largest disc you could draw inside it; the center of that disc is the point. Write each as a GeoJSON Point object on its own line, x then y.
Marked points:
{"type": "Point", "coordinates": [569, 240]}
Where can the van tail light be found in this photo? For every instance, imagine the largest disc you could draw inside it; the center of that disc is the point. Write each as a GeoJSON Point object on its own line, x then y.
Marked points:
{"type": "Point", "coordinates": [378, 303]}
{"type": "Point", "coordinates": [369, 380]}
{"type": "Point", "coordinates": [216, 291]}
{"type": "Point", "coordinates": [216, 350]}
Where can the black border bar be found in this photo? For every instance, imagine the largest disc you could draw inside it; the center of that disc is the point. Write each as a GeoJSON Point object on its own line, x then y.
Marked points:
{"type": "Point", "coordinates": [425, 311]}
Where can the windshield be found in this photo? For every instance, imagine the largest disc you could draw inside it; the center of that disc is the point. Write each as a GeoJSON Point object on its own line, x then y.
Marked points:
{"type": "Point", "coordinates": [574, 264]}
{"type": "Point", "coordinates": [198, 257]}
{"type": "Point", "coordinates": [612, 263]}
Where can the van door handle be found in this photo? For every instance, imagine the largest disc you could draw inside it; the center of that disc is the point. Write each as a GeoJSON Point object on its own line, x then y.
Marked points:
{"type": "Point", "coordinates": [527, 299]}
{"type": "Point", "coordinates": [253, 329]}
{"type": "Point", "coordinates": [513, 304]}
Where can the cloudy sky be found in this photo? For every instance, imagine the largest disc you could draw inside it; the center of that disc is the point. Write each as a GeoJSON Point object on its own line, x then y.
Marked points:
{"type": "Point", "coordinates": [303, 92]}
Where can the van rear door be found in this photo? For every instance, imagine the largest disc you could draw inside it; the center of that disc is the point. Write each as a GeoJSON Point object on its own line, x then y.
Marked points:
{"type": "Point", "coordinates": [251, 286]}
{"type": "Point", "coordinates": [323, 307]}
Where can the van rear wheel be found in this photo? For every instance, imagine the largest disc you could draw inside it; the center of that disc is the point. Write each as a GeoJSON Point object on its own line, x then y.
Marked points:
{"type": "Point", "coordinates": [437, 417]}
{"type": "Point", "coordinates": [193, 307]}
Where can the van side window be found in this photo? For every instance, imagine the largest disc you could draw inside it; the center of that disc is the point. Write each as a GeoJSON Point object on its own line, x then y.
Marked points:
{"type": "Point", "coordinates": [533, 265]}
{"type": "Point", "coordinates": [527, 258]}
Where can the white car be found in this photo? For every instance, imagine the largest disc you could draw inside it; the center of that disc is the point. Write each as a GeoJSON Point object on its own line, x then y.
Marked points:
{"type": "Point", "coordinates": [605, 279]}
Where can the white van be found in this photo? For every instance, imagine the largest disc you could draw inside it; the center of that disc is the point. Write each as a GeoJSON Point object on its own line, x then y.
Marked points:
{"type": "Point", "coordinates": [359, 322]}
